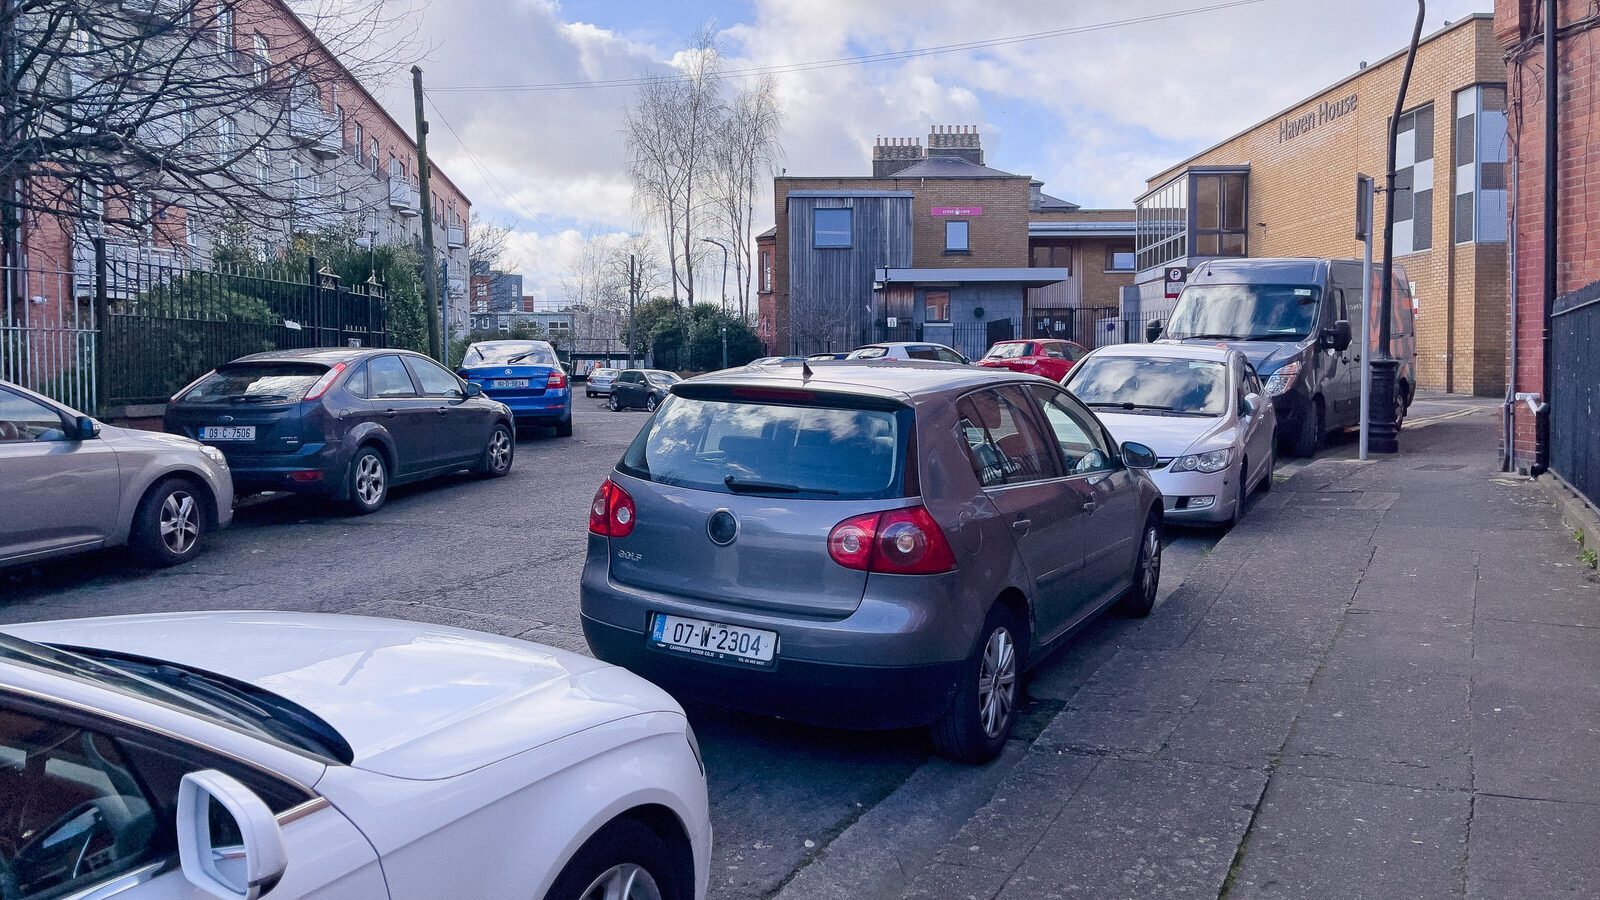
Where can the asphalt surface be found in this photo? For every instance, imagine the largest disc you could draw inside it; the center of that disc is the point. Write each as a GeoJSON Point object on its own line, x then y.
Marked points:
{"type": "Point", "coordinates": [836, 813]}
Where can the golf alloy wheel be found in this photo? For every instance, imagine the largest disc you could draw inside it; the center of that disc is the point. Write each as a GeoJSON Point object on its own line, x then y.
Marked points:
{"type": "Point", "coordinates": [624, 882]}
{"type": "Point", "coordinates": [371, 480]}
{"type": "Point", "coordinates": [997, 683]}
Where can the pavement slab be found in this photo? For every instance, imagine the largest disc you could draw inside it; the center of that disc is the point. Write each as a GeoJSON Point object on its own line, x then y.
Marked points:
{"type": "Point", "coordinates": [1533, 848]}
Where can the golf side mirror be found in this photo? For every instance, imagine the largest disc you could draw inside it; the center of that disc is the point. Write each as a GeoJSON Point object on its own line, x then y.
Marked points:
{"type": "Point", "coordinates": [473, 390]}
{"type": "Point", "coordinates": [1337, 336]}
{"type": "Point", "coordinates": [1138, 456]}
{"type": "Point", "coordinates": [87, 428]}
{"type": "Point", "coordinates": [229, 842]}
{"type": "Point", "coordinates": [1152, 330]}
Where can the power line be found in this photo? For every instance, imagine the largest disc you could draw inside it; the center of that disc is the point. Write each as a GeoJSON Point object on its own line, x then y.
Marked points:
{"type": "Point", "coordinates": [843, 61]}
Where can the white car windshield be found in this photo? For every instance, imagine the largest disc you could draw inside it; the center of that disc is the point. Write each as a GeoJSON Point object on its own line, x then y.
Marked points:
{"type": "Point", "coordinates": [1195, 387]}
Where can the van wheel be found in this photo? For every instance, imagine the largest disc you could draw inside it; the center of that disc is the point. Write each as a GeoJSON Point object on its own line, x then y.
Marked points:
{"type": "Point", "coordinates": [369, 481]}
{"type": "Point", "coordinates": [1141, 595]}
{"type": "Point", "coordinates": [1308, 437]}
{"type": "Point", "coordinates": [169, 523]}
{"type": "Point", "coordinates": [976, 726]}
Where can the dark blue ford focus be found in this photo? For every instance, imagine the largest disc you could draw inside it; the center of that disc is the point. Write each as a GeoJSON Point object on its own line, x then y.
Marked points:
{"type": "Point", "coordinates": [526, 376]}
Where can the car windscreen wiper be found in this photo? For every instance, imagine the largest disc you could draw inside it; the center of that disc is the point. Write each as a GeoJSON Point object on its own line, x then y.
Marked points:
{"type": "Point", "coordinates": [751, 486]}
{"type": "Point", "coordinates": [1210, 337]}
{"type": "Point", "coordinates": [1125, 404]}
{"type": "Point", "coordinates": [1274, 336]}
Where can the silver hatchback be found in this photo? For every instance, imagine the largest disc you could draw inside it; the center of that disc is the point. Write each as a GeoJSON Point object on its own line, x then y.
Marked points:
{"type": "Point", "coordinates": [866, 544]}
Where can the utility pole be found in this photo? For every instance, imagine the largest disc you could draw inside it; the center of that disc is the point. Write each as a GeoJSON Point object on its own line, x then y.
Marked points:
{"type": "Point", "coordinates": [633, 294]}
{"type": "Point", "coordinates": [430, 277]}
{"type": "Point", "coordinates": [1383, 428]}
{"type": "Point", "coordinates": [1364, 189]}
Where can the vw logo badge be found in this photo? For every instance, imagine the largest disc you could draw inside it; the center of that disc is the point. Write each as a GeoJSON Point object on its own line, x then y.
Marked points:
{"type": "Point", "coordinates": [722, 527]}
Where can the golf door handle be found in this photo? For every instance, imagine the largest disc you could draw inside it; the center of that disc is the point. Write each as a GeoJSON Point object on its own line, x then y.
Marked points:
{"type": "Point", "coordinates": [1021, 526]}
{"type": "Point", "coordinates": [391, 413]}
{"type": "Point", "coordinates": [1089, 505]}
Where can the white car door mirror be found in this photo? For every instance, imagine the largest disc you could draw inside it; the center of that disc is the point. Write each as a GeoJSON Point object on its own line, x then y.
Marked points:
{"type": "Point", "coordinates": [1252, 404]}
{"type": "Point", "coordinates": [228, 840]}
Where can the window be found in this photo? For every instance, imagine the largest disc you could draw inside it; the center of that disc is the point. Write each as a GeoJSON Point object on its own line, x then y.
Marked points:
{"type": "Point", "coordinates": [263, 166]}
{"type": "Point", "coordinates": [1119, 258]}
{"type": "Point", "coordinates": [1479, 156]}
{"type": "Point", "coordinates": [832, 228]}
{"type": "Point", "coordinates": [1162, 224]}
{"type": "Point", "coordinates": [1084, 449]}
{"type": "Point", "coordinates": [1003, 441]}
{"type": "Point", "coordinates": [91, 200]}
{"type": "Point", "coordinates": [1413, 181]}
{"type": "Point", "coordinates": [386, 377]}
{"type": "Point", "coordinates": [1219, 214]}
{"type": "Point", "coordinates": [358, 142]}
{"type": "Point", "coordinates": [227, 134]}
{"type": "Point", "coordinates": [766, 271]}
{"type": "Point", "coordinates": [937, 305]}
{"type": "Point", "coordinates": [23, 419]}
{"type": "Point", "coordinates": [373, 156]}
{"type": "Point", "coordinates": [436, 381]}
{"type": "Point", "coordinates": [262, 64]}
{"type": "Point", "coordinates": [1051, 254]}
{"type": "Point", "coordinates": [225, 28]}
{"type": "Point", "coordinates": [955, 237]}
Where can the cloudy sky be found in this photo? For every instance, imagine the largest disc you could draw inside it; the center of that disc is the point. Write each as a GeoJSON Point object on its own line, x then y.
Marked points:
{"type": "Point", "coordinates": [1092, 114]}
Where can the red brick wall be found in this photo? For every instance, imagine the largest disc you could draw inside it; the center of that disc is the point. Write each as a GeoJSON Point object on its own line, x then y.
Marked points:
{"type": "Point", "coordinates": [1518, 26]}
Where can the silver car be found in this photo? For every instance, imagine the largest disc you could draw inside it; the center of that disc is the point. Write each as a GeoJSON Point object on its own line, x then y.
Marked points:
{"type": "Point", "coordinates": [866, 544]}
{"type": "Point", "coordinates": [599, 382]}
{"type": "Point", "coordinates": [72, 484]}
{"type": "Point", "coordinates": [909, 350]}
{"type": "Point", "coordinates": [1201, 408]}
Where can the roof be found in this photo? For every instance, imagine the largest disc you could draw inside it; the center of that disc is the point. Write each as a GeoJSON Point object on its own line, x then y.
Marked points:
{"type": "Point", "coordinates": [1168, 351]}
{"type": "Point", "coordinates": [1398, 54]}
{"type": "Point", "coordinates": [950, 167]}
{"type": "Point", "coordinates": [1047, 202]}
{"type": "Point", "coordinates": [769, 233]}
{"type": "Point", "coordinates": [894, 379]}
{"type": "Point", "coordinates": [1028, 275]}
{"type": "Point", "coordinates": [325, 355]}
{"type": "Point", "coordinates": [846, 192]}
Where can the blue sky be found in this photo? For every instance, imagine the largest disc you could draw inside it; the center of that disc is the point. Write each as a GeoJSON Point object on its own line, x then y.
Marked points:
{"type": "Point", "coordinates": [1092, 114]}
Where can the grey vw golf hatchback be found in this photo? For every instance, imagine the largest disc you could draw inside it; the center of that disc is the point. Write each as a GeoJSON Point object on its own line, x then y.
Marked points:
{"type": "Point", "coordinates": [866, 544]}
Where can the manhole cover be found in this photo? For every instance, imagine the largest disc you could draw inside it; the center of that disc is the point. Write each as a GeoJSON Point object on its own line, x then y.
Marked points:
{"type": "Point", "coordinates": [1440, 467]}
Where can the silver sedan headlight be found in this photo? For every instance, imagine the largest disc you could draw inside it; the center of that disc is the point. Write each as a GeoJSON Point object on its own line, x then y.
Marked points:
{"type": "Point", "coordinates": [214, 455]}
{"type": "Point", "coordinates": [1208, 462]}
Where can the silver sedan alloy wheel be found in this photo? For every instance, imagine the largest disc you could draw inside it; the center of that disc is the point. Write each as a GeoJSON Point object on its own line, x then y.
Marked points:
{"type": "Point", "coordinates": [369, 479]}
{"type": "Point", "coordinates": [180, 522]}
{"type": "Point", "coordinates": [1150, 574]}
{"type": "Point", "coordinates": [997, 682]}
{"type": "Point", "coordinates": [623, 882]}
{"type": "Point", "coordinates": [500, 450]}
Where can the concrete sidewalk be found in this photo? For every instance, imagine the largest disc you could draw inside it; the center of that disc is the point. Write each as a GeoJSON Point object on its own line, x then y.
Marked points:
{"type": "Point", "coordinates": [1385, 683]}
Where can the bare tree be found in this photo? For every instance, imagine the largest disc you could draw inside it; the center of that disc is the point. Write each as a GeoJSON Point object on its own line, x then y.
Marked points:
{"type": "Point", "coordinates": [746, 149]}
{"type": "Point", "coordinates": [669, 130]}
{"type": "Point", "coordinates": [161, 116]}
{"type": "Point", "coordinates": [489, 250]}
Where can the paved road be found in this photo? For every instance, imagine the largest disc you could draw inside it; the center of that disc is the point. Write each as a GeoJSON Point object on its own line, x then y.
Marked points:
{"type": "Point", "coordinates": [504, 556]}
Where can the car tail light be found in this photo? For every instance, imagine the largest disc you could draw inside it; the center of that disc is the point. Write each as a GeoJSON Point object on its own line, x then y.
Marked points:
{"type": "Point", "coordinates": [325, 382]}
{"type": "Point", "coordinates": [612, 513]}
{"type": "Point", "coordinates": [556, 380]}
{"type": "Point", "coordinates": [896, 542]}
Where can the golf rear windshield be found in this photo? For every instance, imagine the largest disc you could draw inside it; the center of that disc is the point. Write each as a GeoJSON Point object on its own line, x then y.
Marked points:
{"type": "Point", "coordinates": [263, 382]}
{"type": "Point", "coordinates": [736, 447]}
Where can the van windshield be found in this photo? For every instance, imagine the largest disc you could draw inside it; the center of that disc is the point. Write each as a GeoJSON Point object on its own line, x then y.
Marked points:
{"type": "Point", "coordinates": [1245, 312]}
{"type": "Point", "coordinates": [816, 452]}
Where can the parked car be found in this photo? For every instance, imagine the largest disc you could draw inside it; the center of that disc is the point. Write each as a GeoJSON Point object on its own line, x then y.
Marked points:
{"type": "Point", "coordinates": [599, 382]}
{"type": "Point", "coordinates": [1052, 358]}
{"type": "Point", "coordinates": [239, 754]}
{"type": "Point", "coordinates": [823, 357]}
{"type": "Point", "coordinates": [641, 388]}
{"type": "Point", "coordinates": [909, 350]}
{"type": "Point", "coordinates": [777, 360]}
{"type": "Point", "coordinates": [1293, 318]}
{"type": "Point", "coordinates": [527, 377]}
{"type": "Point", "coordinates": [69, 483]}
{"type": "Point", "coordinates": [342, 422]}
{"type": "Point", "coordinates": [1201, 408]}
{"type": "Point", "coordinates": [790, 549]}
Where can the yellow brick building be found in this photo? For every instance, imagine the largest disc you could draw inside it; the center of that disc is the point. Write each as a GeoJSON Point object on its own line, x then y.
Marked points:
{"type": "Point", "coordinates": [1287, 187]}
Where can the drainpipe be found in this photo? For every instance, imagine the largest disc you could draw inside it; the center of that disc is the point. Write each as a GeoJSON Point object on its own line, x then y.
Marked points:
{"type": "Point", "coordinates": [1551, 232]}
{"type": "Point", "coordinates": [1509, 462]}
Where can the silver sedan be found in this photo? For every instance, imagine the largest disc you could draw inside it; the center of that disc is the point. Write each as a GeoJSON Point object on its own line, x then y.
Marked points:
{"type": "Point", "coordinates": [1201, 408]}
{"type": "Point", "coordinates": [73, 484]}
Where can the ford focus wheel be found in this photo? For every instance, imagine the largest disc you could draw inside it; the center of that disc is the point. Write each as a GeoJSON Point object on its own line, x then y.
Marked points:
{"type": "Point", "coordinates": [369, 481]}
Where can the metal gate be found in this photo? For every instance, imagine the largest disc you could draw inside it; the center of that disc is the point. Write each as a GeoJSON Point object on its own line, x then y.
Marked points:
{"type": "Point", "coordinates": [47, 336]}
{"type": "Point", "coordinates": [1575, 389]}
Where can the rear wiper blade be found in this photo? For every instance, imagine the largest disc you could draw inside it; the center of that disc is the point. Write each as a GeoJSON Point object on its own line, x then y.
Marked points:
{"type": "Point", "coordinates": [254, 397]}
{"type": "Point", "coordinates": [741, 485]}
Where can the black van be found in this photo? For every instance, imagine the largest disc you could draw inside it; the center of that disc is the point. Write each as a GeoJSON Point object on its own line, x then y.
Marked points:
{"type": "Point", "coordinates": [1295, 318]}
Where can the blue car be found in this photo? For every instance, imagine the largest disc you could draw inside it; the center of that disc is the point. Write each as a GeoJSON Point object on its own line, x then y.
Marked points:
{"type": "Point", "coordinates": [526, 376]}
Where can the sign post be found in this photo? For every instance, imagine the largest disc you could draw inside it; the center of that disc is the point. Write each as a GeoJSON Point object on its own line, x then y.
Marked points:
{"type": "Point", "coordinates": [1175, 278]}
{"type": "Point", "coordinates": [1364, 191]}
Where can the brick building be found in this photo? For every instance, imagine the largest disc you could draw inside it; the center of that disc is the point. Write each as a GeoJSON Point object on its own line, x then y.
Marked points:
{"type": "Point", "coordinates": [1569, 380]}
{"type": "Point", "coordinates": [933, 245]}
{"type": "Point", "coordinates": [1286, 187]}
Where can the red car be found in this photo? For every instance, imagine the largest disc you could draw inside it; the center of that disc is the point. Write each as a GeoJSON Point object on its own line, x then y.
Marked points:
{"type": "Point", "coordinates": [1051, 358]}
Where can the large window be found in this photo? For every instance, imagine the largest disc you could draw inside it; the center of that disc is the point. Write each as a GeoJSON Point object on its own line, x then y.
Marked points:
{"type": "Point", "coordinates": [1050, 253]}
{"type": "Point", "coordinates": [1413, 181]}
{"type": "Point", "coordinates": [937, 305]}
{"type": "Point", "coordinates": [1219, 214]}
{"type": "Point", "coordinates": [1119, 258]}
{"type": "Point", "coordinates": [1480, 164]}
{"type": "Point", "coordinates": [1196, 214]}
{"type": "Point", "coordinates": [766, 271]}
{"type": "Point", "coordinates": [832, 228]}
{"type": "Point", "coordinates": [1162, 218]}
{"type": "Point", "coordinates": [955, 237]}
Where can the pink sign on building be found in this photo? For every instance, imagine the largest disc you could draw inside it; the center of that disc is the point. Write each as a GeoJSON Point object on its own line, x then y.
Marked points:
{"type": "Point", "coordinates": [957, 210]}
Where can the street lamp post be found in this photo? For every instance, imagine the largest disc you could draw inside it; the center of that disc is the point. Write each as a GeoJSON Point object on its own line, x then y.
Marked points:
{"type": "Point", "coordinates": [723, 321]}
{"type": "Point", "coordinates": [1383, 429]}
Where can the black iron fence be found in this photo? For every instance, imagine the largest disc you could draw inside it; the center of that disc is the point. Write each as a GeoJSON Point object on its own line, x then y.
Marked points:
{"type": "Point", "coordinates": [1575, 389]}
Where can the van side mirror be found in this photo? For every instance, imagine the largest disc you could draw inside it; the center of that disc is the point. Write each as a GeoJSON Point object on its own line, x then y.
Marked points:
{"type": "Point", "coordinates": [1138, 456]}
{"type": "Point", "coordinates": [86, 428]}
{"type": "Point", "coordinates": [1152, 330]}
{"type": "Point", "coordinates": [473, 389]}
{"type": "Point", "coordinates": [229, 842]}
{"type": "Point", "coordinates": [1337, 336]}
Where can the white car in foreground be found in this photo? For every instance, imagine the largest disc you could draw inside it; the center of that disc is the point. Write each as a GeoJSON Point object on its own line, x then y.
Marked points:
{"type": "Point", "coordinates": [1200, 407]}
{"type": "Point", "coordinates": [246, 754]}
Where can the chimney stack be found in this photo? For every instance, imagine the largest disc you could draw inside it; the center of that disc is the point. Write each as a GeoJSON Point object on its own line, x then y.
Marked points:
{"type": "Point", "coordinates": [959, 141]}
{"type": "Point", "coordinates": [890, 155]}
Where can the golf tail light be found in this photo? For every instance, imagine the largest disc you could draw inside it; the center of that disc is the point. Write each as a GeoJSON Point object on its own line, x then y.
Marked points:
{"type": "Point", "coordinates": [325, 382]}
{"type": "Point", "coordinates": [556, 380]}
{"type": "Point", "coordinates": [612, 513]}
{"type": "Point", "coordinates": [896, 542]}
{"type": "Point", "coordinates": [1280, 381]}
